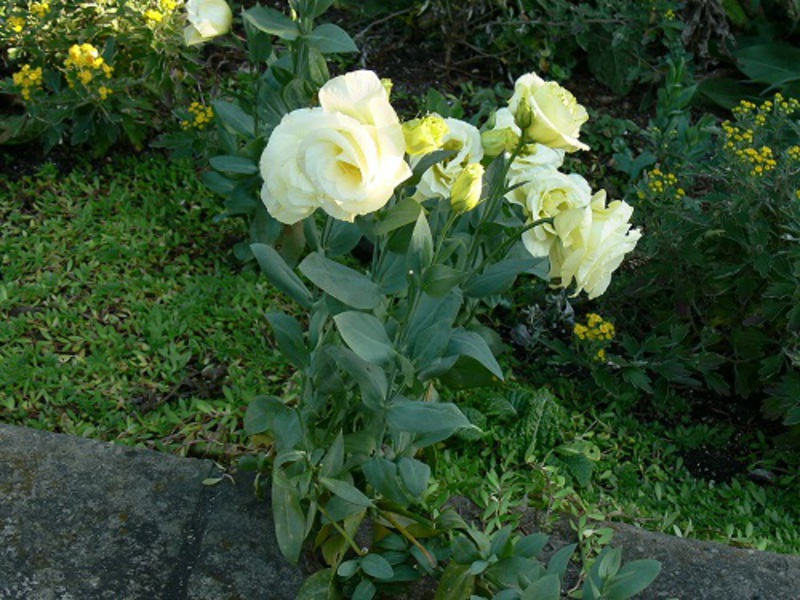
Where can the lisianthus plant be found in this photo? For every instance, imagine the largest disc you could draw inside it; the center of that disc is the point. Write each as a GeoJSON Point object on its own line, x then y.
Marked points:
{"type": "Point", "coordinates": [389, 240]}
{"type": "Point", "coordinates": [95, 72]}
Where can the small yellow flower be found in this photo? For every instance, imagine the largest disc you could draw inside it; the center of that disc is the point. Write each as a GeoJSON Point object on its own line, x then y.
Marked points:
{"type": "Point", "coordinates": [85, 77]}
{"type": "Point", "coordinates": [153, 17]}
{"type": "Point", "coordinates": [104, 92]}
{"type": "Point", "coordinates": [40, 9]}
{"type": "Point", "coordinates": [17, 24]}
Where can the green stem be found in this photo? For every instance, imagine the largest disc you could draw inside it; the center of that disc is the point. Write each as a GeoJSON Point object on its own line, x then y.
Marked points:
{"type": "Point", "coordinates": [351, 542]}
{"type": "Point", "coordinates": [404, 532]}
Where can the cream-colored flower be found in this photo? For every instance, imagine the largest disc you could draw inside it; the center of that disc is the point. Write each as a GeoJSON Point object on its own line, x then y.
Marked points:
{"type": "Point", "coordinates": [465, 141]}
{"type": "Point", "coordinates": [596, 251]}
{"type": "Point", "coordinates": [550, 113]}
{"type": "Point", "coordinates": [207, 19]}
{"type": "Point", "coordinates": [551, 194]}
{"type": "Point", "coordinates": [345, 157]}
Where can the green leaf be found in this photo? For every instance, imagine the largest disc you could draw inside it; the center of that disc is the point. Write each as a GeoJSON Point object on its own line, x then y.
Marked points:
{"type": "Point", "coordinates": [371, 379]}
{"type": "Point", "coordinates": [267, 413]}
{"type": "Point", "coordinates": [404, 212]}
{"type": "Point", "coordinates": [334, 458]}
{"type": "Point", "coordinates": [415, 475]}
{"type": "Point", "coordinates": [365, 335]}
{"type": "Point", "coordinates": [499, 277]}
{"type": "Point", "coordinates": [342, 238]}
{"type": "Point", "coordinates": [289, 335]}
{"type": "Point", "coordinates": [234, 119]}
{"type": "Point", "coordinates": [273, 22]}
{"type": "Point", "coordinates": [365, 590]}
{"type": "Point", "coordinates": [557, 564]}
{"type": "Point", "coordinates": [319, 586]}
{"type": "Point", "coordinates": [347, 492]}
{"type": "Point", "coordinates": [414, 416]}
{"type": "Point", "coordinates": [456, 582]}
{"type": "Point", "coordinates": [420, 249]}
{"type": "Point", "coordinates": [289, 518]}
{"type": "Point", "coordinates": [439, 280]}
{"type": "Point", "coordinates": [545, 588]}
{"type": "Point", "coordinates": [531, 545]}
{"type": "Point", "coordinates": [330, 39]}
{"type": "Point", "coordinates": [472, 344]}
{"type": "Point", "coordinates": [775, 63]}
{"type": "Point", "coordinates": [281, 275]}
{"type": "Point", "coordinates": [343, 283]}
{"type": "Point", "coordinates": [381, 474]}
{"type": "Point", "coordinates": [259, 44]}
{"type": "Point", "coordinates": [634, 577]}
{"type": "Point", "coordinates": [376, 566]}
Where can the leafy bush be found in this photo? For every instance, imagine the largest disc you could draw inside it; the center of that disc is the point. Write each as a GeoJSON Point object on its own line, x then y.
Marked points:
{"type": "Point", "coordinates": [91, 72]}
{"type": "Point", "coordinates": [718, 271]}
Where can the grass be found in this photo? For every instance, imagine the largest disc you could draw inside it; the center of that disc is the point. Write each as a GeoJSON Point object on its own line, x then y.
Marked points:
{"type": "Point", "coordinates": [125, 318]}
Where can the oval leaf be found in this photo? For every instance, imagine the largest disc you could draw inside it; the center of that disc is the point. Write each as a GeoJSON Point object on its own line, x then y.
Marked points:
{"type": "Point", "coordinates": [343, 283]}
{"type": "Point", "coordinates": [365, 335]}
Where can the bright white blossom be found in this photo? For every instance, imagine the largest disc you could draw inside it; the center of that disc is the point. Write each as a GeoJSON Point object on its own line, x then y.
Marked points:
{"type": "Point", "coordinates": [345, 157]}
{"type": "Point", "coordinates": [548, 113]}
{"type": "Point", "coordinates": [207, 19]}
{"type": "Point", "coordinates": [595, 252]}
{"type": "Point", "coordinates": [463, 139]}
{"type": "Point", "coordinates": [551, 194]}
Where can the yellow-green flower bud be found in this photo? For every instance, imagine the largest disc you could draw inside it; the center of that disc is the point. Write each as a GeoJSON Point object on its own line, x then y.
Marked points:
{"type": "Point", "coordinates": [466, 192]}
{"type": "Point", "coordinates": [425, 135]}
{"type": "Point", "coordinates": [497, 141]}
{"type": "Point", "coordinates": [524, 115]}
{"type": "Point", "coordinates": [387, 85]}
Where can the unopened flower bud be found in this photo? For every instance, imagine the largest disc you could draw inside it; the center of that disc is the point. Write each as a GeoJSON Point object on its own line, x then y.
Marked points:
{"type": "Point", "coordinates": [466, 192]}
{"type": "Point", "coordinates": [498, 141]}
{"type": "Point", "coordinates": [387, 85]}
{"type": "Point", "coordinates": [524, 115]}
{"type": "Point", "coordinates": [425, 135]}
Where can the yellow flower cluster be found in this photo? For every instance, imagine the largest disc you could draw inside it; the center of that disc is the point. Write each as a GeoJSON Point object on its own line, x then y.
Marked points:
{"type": "Point", "coordinates": [40, 9]}
{"type": "Point", "coordinates": [16, 24]}
{"type": "Point", "coordinates": [168, 5]}
{"type": "Point", "coordinates": [84, 63]}
{"type": "Point", "coordinates": [104, 92]}
{"type": "Point", "coordinates": [794, 152]}
{"type": "Point", "coordinates": [27, 79]}
{"type": "Point", "coordinates": [760, 160]}
{"type": "Point", "coordinates": [153, 17]}
{"type": "Point", "coordinates": [596, 328]}
{"type": "Point", "coordinates": [201, 116]}
{"type": "Point", "coordinates": [669, 15]}
{"type": "Point", "coordinates": [778, 104]}
{"type": "Point", "coordinates": [663, 184]}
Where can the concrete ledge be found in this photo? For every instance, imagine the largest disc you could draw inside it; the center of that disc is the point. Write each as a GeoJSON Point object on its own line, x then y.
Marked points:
{"type": "Point", "coordinates": [85, 520]}
{"type": "Point", "coordinates": [81, 519]}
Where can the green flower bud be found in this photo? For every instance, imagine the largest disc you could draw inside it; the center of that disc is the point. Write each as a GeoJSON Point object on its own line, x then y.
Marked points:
{"type": "Point", "coordinates": [497, 141]}
{"type": "Point", "coordinates": [524, 115]}
{"type": "Point", "coordinates": [425, 135]}
{"type": "Point", "coordinates": [466, 191]}
{"type": "Point", "coordinates": [387, 85]}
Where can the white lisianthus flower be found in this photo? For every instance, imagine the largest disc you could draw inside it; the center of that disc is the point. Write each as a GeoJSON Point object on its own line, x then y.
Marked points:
{"type": "Point", "coordinates": [345, 157]}
{"type": "Point", "coordinates": [465, 140]}
{"type": "Point", "coordinates": [207, 19]}
{"type": "Point", "coordinates": [548, 113]}
{"type": "Point", "coordinates": [549, 193]}
{"type": "Point", "coordinates": [595, 251]}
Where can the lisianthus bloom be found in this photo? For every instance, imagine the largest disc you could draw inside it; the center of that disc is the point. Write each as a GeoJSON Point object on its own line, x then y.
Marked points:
{"type": "Point", "coordinates": [345, 156]}
{"type": "Point", "coordinates": [207, 19]}
{"type": "Point", "coordinates": [464, 140]}
{"type": "Point", "coordinates": [548, 113]}
{"type": "Point", "coordinates": [424, 135]}
{"type": "Point", "coordinates": [595, 252]}
{"type": "Point", "coordinates": [551, 194]}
